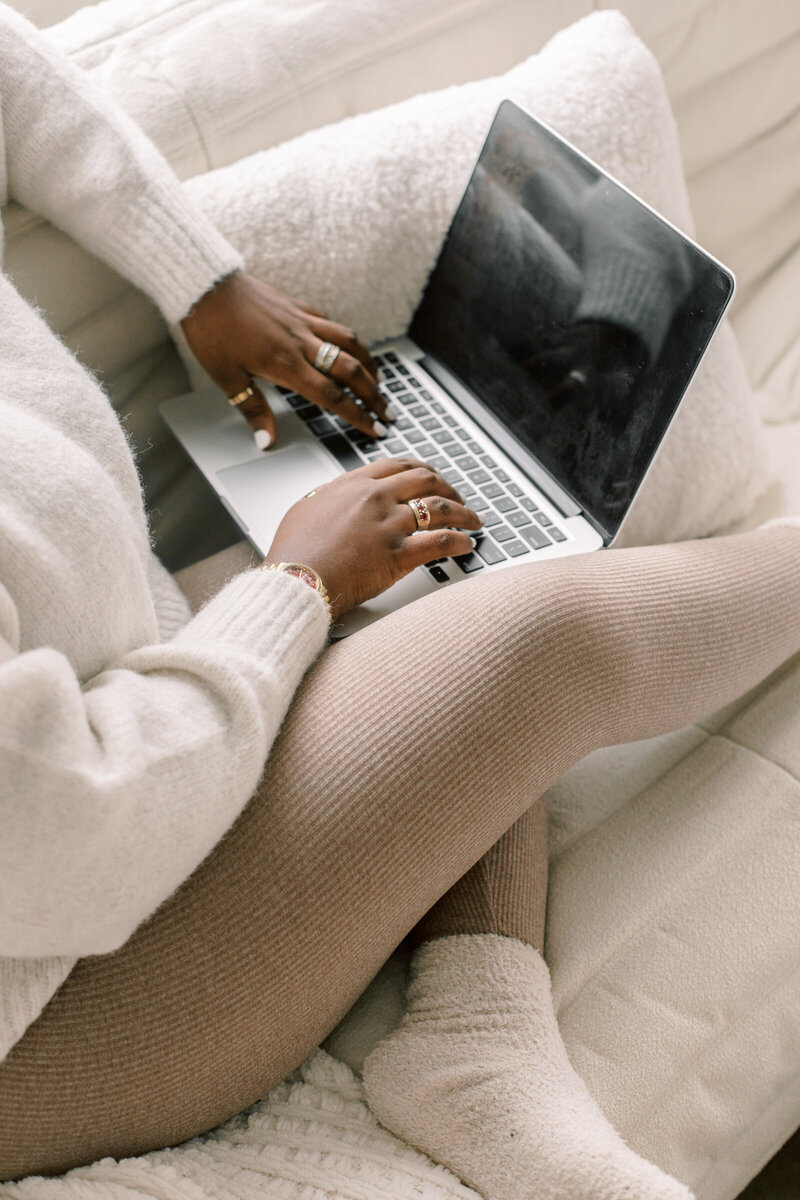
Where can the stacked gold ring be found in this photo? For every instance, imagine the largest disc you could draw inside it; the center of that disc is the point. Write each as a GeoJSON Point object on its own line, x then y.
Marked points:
{"type": "Point", "coordinates": [240, 397]}
{"type": "Point", "coordinates": [421, 512]}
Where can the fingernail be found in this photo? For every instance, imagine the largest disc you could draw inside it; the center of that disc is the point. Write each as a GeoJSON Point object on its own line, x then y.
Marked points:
{"type": "Point", "coordinates": [379, 429]}
{"type": "Point", "coordinates": [263, 439]}
{"type": "Point", "coordinates": [391, 412]}
{"type": "Point", "coordinates": [474, 540]}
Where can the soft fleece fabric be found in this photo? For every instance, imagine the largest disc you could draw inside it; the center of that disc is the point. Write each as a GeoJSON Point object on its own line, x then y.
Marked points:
{"type": "Point", "coordinates": [120, 715]}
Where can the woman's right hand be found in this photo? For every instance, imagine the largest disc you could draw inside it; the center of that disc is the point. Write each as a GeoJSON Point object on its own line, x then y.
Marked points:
{"type": "Point", "coordinates": [360, 534]}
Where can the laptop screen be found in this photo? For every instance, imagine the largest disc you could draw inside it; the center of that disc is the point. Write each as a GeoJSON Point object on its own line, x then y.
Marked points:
{"type": "Point", "coordinates": [571, 310]}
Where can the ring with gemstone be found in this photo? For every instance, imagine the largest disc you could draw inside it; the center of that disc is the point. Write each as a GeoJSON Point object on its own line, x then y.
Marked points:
{"type": "Point", "coordinates": [421, 512]}
{"type": "Point", "coordinates": [326, 357]}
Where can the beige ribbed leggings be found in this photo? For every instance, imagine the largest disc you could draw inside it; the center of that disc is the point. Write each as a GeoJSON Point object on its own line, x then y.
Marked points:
{"type": "Point", "coordinates": [409, 750]}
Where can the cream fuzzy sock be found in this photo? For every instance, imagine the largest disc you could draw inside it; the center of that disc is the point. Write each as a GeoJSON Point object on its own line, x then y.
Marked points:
{"type": "Point", "coordinates": [478, 1078]}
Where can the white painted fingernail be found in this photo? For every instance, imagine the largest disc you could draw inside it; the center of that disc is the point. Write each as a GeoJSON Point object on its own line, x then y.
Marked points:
{"type": "Point", "coordinates": [391, 412]}
{"type": "Point", "coordinates": [263, 439]}
{"type": "Point", "coordinates": [379, 429]}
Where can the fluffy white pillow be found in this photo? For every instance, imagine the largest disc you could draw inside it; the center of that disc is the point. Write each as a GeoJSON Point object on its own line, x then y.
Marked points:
{"type": "Point", "coordinates": [351, 217]}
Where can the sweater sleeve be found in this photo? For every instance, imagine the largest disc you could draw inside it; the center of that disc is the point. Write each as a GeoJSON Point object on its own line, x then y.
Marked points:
{"type": "Point", "coordinates": [114, 789]}
{"type": "Point", "coordinates": [74, 157]}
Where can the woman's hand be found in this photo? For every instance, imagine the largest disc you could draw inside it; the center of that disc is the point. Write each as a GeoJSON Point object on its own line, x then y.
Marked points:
{"type": "Point", "coordinates": [360, 534]}
{"type": "Point", "coordinates": [243, 328]}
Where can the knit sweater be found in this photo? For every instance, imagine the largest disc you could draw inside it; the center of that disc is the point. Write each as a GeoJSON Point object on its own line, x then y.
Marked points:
{"type": "Point", "coordinates": [131, 735]}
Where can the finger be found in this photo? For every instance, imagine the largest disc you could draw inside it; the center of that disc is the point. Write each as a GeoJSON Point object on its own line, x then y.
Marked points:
{"type": "Point", "coordinates": [422, 481]}
{"type": "Point", "coordinates": [311, 310]}
{"type": "Point", "coordinates": [255, 410]}
{"type": "Point", "coordinates": [384, 467]}
{"type": "Point", "coordinates": [353, 375]}
{"type": "Point", "coordinates": [322, 390]}
{"type": "Point", "coordinates": [431, 544]}
{"type": "Point", "coordinates": [348, 339]}
{"type": "Point", "coordinates": [443, 513]}
{"type": "Point", "coordinates": [261, 419]}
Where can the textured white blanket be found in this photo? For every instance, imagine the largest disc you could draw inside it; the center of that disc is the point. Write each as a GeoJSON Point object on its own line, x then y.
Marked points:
{"type": "Point", "coordinates": [312, 1138]}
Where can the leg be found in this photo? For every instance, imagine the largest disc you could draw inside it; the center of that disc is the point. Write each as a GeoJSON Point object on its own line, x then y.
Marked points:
{"type": "Point", "coordinates": [404, 758]}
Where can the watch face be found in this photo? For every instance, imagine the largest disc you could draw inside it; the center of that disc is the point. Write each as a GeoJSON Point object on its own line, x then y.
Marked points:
{"type": "Point", "coordinates": [305, 575]}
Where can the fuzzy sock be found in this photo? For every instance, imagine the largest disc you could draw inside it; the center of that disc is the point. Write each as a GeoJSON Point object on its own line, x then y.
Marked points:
{"type": "Point", "coordinates": [477, 1077]}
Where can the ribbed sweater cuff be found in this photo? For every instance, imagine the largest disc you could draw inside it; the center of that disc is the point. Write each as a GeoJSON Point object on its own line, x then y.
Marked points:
{"type": "Point", "coordinates": [271, 616]}
{"type": "Point", "coordinates": [176, 251]}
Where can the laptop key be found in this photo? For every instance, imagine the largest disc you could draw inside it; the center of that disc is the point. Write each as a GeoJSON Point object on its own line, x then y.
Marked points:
{"type": "Point", "coordinates": [435, 404]}
{"type": "Point", "coordinates": [491, 490]}
{"type": "Point", "coordinates": [469, 562]}
{"type": "Point", "coordinates": [415, 435]}
{"type": "Point", "coordinates": [321, 426]}
{"type": "Point", "coordinates": [402, 369]}
{"type": "Point", "coordinates": [515, 548]}
{"type": "Point", "coordinates": [505, 504]}
{"type": "Point", "coordinates": [502, 533]}
{"type": "Point", "coordinates": [426, 450]}
{"type": "Point", "coordinates": [479, 476]}
{"type": "Point", "coordinates": [535, 537]}
{"type": "Point", "coordinates": [438, 574]}
{"type": "Point", "coordinates": [448, 420]}
{"type": "Point", "coordinates": [518, 518]}
{"type": "Point", "coordinates": [419, 410]}
{"type": "Point", "coordinates": [442, 436]}
{"type": "Point", "coordinates": [454, 449]}
{"type": "Point", "coordinates": [438, 462]}
{"type": "Point", "coordinates": [468, 463]}
{"type": "Point", "coordinates": [425, 394]}
{"type": "Point", "coordinates": [477, 503]}
{"type": "Point", "coordinates": [556, 534]}
{"type": "Point", "coordinates": [489, 551]}
{"type": "Point", "coordinates": [394, 446]}
{"type": "Point", "coordinates": [515, 489]}
{"type": "Point", "coordinates": [404, 423]}
{"type": "Point", "coordinates": [308, 414]}
{"type": "Point", "coordinates": [488, 461]}
{"type": "Point", "coordinates": [491, 518]}
{"type": "Point", "coordinates": [543, 519]}
{"type": "Point", "coordinates": [430, 423]}
{"type": "Point", "coordinates": [295, 400]}
{"type": "Point", "coordinates": [341, 450]}
{"type": "Point", "coordinates": [395, 385]}
{"type": "Point", "coordinates": [526, 502]}
{"type": "Point", "coordinates": [452, 476]}
{"type": "Point", "coordinates": [502, 475]}
{"type": "Point", "coordinates": [475, 447]}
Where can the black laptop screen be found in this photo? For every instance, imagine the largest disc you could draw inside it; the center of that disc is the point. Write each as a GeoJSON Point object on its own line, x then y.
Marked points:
{"type": "Point", "coordinates": [573, 312]}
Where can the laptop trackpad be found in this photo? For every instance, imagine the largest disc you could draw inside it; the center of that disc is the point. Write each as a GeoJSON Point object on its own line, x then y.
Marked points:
{"type": "Point", "coordinates": [263, 489]}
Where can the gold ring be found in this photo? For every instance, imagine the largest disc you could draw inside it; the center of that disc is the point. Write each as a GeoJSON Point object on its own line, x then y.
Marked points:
{"type": "Point", "coordinates": [421, 512]}
{"type": "Point", "coordinates": [313, 492]}
{"type": "Point", "coordinates": [247, 394]}
{"type": "Point", "coordinates": [326, 357]}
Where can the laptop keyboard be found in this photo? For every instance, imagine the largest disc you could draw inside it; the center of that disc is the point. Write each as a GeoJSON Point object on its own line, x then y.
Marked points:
{"type": "Point", "coordinates": [514, 526]}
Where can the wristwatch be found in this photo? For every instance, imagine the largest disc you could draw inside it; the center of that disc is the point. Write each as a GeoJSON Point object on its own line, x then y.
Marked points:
{"type": "Point", "coordinates": [307, 574]}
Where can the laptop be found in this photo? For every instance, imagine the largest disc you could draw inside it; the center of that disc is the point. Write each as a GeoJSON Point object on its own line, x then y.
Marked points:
{"type": "Point", "coordinates": [554, 342]}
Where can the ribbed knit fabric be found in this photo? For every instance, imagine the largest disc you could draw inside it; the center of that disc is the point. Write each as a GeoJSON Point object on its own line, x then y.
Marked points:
{"type": "Point", "coordinates": [408, 752]}
{"type": "Point", "coordinates": [504, 893]}
{"type": "Point", "coordinates": [74, 157]}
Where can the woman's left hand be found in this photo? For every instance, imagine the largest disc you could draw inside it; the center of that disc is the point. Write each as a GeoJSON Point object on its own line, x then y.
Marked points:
{"type": "Point", "coordinates": [244, 329]}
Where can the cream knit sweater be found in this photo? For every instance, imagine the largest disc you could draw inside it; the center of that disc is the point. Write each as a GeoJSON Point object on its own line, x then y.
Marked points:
{"type": "Point", "coordinates": [131, 736]}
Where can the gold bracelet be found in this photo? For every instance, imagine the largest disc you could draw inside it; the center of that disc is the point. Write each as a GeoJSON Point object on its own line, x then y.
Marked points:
{"type": "Point", "coordinates": [308, 575]}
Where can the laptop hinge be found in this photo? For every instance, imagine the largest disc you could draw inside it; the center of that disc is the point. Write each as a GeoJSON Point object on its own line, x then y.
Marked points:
{"type": "Point", "coordinates": [499, 433]}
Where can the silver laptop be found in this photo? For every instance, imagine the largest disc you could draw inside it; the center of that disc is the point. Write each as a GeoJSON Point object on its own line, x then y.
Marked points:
{"type": "Point", "coordinates": [554, 342]}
